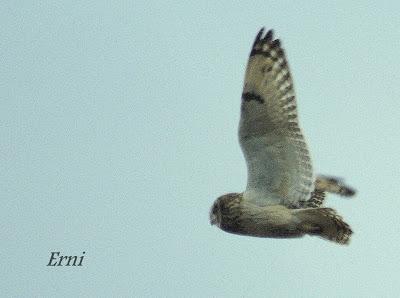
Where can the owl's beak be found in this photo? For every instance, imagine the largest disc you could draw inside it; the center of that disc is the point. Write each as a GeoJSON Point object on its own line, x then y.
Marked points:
{"type": "Point", "coordinates": [213, 219]}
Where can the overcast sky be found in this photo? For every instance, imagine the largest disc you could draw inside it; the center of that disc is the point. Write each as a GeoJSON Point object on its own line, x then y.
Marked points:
{"type": "Point", "coordinates": [119, 130]}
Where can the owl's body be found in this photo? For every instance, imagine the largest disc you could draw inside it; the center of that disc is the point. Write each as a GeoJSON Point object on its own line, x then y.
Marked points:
{"type": "Point", "coordinates": [241, 217]}
{"type": "Point", "coordinates": [234, 214]}
{"type": "Point", "coordinates": [282, 197]}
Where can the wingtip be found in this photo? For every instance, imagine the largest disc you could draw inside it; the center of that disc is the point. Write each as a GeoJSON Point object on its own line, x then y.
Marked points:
{"type": "Point", "coordinates": [276, 43]}
{"type": "Point", "coordinates": [263, 39]}
{"type": "Point", "coordinates": [268, 37]}
{"type": "Point", "coordinates": [260, 33]}
{"type": "Point", "coordinates": [258, 37]}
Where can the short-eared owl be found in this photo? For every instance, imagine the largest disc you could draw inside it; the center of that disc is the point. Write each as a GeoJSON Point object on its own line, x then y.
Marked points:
{"type": "Point", "coordinates": [282, 198]}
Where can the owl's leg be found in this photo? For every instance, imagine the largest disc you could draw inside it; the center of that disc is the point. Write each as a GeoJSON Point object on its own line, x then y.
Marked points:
{"type": "Point", "coordinates": [316, 199]}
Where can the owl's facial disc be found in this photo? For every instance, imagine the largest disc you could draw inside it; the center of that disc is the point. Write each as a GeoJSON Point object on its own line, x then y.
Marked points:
{"type": "Point", "coordinates": [214, 214]}
{"type": "Point", "coordinates": [213, 219]}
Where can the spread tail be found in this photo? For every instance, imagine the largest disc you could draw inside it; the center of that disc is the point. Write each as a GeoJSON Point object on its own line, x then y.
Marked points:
{"type": "Point", "coordinates": [326, 223]}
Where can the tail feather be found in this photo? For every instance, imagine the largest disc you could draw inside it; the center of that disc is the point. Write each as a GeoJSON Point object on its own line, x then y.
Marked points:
{"type": "Point", "coordinates": [326, 223]}
{"type": "Point", "coordinates": [333, 185]}
{"type": "Point", "coordinates": [324, 185]}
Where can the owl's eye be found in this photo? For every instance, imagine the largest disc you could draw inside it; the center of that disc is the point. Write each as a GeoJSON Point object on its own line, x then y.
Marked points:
{"type": "Point", "coordinates": [215, 208]}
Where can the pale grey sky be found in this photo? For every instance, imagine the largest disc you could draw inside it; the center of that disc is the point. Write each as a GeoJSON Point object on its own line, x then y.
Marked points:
{"type": "Point", "coordinates": [118, 127]}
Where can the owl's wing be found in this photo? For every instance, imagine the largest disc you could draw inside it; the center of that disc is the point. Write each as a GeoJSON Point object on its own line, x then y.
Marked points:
{"type": "Point", "coordinates": [278, 162]}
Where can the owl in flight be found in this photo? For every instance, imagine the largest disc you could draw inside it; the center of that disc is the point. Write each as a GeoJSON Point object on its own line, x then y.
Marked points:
{"type": "Point", "coordinates": [282, 199]}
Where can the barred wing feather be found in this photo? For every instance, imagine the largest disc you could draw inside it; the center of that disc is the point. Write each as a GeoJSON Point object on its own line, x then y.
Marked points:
{"type": "Point", "coordinates": [278, 161]}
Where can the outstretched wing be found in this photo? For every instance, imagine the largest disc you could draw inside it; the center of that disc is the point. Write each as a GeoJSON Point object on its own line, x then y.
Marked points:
{"type": "Point", "coordinates": [278, 162]}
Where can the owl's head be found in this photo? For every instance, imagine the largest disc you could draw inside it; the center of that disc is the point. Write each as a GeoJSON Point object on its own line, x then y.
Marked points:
{"type": "Point", "coordinates": [223, 207]}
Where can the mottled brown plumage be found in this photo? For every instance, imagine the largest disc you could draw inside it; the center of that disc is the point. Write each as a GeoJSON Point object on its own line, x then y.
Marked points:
{"type": "Point", "coordinates": [282, 198]}
{"type": "Point", "coordinates": [233, 214]}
